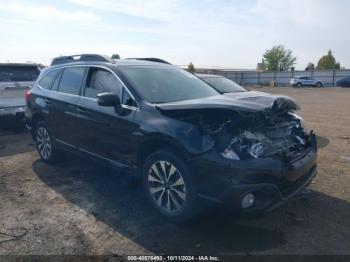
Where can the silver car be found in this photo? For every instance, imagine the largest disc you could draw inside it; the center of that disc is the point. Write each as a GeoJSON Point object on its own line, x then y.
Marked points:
{"type": "Point", "coordinates": [15, 79]}
{"type": "Point", "coordinates": [300, 81]}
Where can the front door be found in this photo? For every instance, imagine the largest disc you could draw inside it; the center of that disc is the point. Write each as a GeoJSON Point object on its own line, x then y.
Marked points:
{"type": "Point", "coordinates": [105, 132]}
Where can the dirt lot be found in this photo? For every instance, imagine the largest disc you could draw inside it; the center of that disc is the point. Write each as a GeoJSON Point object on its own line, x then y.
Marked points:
{"type": "Point", "coordinates": [77, 207]}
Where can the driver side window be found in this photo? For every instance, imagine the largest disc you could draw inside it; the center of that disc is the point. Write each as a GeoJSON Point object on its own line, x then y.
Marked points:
{"type": "Point", "coordinates": [99, 81]}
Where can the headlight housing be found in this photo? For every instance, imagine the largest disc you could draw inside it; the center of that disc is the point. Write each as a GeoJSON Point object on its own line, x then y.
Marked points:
{"type": "Point", "coordinates": [301, 121]}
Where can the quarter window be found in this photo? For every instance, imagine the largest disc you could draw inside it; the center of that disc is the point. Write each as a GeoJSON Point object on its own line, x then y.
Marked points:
{"type": "Point", "coordinates": [54, 85]}
{"type": "Point", "coordinates": [71, 80]}
{"type": "Point", "coordinates": [47, 80]}
{"type": "Point", "coordinates": [101, 81]}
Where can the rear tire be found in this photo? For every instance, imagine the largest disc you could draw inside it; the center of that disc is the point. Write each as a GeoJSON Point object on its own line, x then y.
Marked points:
{"type": "Point", "coordinates": [168, 186]}
{"type": "Point", "coordinates": [44, 143]}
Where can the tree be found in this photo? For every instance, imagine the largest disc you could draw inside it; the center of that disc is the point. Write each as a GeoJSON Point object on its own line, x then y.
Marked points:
{"type": "Point", "coordinates": [278, 58]}
{"type": "Point", "coordinates": [328, 62]}
{"type": "Point", "coordinates": [191, 68]}
{"type": "Point", "coordinates": [310, 67]}
{"type": "Point", "coordinates": [115, 56]}
{"type": "Point", "coordinates": [261, 67]}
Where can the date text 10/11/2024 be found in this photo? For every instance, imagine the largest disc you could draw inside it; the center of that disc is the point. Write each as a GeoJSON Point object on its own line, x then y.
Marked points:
{"type": "Point", "coordinates": [172, 258]}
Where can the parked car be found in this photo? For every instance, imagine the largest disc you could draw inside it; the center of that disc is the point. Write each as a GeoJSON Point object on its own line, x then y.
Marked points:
{"type": "Point", "coordinates": [221, 84]}
{"type": "Point", "coordinates": [300, 81]}
{"type": "Point", "coordinates": [14, 80]}
{"type": "Point", "coordinates": [345, 82]}
{"type": "Point", "coordinates": [189, 145]}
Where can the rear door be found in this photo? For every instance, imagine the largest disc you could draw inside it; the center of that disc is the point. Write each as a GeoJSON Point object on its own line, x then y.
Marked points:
{"type": "Point", "coordinates": [105, 133]}
{"type": "Point", "coordinates": [64, 117]}
{"type": "Point", "coordinates": [303, 80]}
{"type": "Point", "coordinates": [44, 98]}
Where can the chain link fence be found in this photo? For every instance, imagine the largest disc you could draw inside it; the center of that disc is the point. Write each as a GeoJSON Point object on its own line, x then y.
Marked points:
{"type": "Point", "coordinates": [252, 78]}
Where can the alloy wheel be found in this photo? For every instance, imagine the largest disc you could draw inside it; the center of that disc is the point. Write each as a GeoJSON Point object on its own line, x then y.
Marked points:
{"type": "Point", "coordinates": [43, 142]}
{"type": "Point", "coordinates": [166, 186]}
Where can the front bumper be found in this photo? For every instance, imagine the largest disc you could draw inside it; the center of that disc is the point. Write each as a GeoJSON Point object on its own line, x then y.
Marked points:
{"type": "Point", "coordinates": [272, 181]}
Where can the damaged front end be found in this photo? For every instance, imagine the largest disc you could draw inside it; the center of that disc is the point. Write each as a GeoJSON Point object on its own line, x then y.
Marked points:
{"type": "Point", "coordinates": [238, 134]}
{"type": "Point", "coordinates": [266, 150]}
{"type": "Point", "coordinates": [282, 136]}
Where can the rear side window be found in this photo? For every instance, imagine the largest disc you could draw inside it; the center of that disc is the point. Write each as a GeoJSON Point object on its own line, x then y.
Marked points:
{"type": "Point", "coordinates": [71, 80]}
{"type": "Point", "coordinates": [47, 80]}
{"type": "Point", "coordinates": [101, 81]}
{"type": "Point", "coordinates": [56, 82]}
{"type": "Point", "coordinates": [18, 73]}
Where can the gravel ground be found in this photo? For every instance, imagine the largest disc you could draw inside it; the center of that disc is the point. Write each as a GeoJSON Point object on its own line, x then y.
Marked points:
{"type": "Point", "coordinates": [77, 207]}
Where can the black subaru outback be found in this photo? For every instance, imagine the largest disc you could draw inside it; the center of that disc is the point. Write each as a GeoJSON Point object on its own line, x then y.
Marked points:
{"type": "Point", "coordinates": [187, 142]}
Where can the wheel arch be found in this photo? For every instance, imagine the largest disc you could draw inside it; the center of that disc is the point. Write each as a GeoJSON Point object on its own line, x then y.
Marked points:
{"type": "Point", "coordinates": [154, 144]}
{"type": "Point", "coordinates": [36, 118]}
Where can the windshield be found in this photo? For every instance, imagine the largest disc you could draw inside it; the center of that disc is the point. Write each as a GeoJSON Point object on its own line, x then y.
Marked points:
{"type": "Point", "coordinates": [166, 84]}
{"type": "Point", "coordinates": [18, 73]}
{"type": "Point", "coordinates": [223, 85]}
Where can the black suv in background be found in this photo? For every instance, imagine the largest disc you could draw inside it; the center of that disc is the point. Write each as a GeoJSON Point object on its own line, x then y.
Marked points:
{"type": "Point", "coordinates": [188, 143]}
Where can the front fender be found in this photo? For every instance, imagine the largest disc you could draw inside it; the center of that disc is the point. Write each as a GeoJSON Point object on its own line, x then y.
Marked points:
{"type": "Point", "coordinates": [180, 134]}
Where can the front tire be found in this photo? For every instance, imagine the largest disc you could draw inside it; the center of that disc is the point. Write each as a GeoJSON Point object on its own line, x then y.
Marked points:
{"type": "Point", "coordinates": [318, 84]}
{"type": "Point", "coordinates": [168, 186]}
{"type": "Point", "coordinates": [44, 143]}
{"type": "Point", "coordinates": [299, 85]}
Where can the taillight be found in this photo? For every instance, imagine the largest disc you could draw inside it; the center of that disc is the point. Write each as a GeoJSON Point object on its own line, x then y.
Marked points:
{"type": "Point", "coordinates": [27, 95]}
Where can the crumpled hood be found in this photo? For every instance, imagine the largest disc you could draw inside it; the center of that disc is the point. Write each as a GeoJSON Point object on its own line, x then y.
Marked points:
{"type": "Point", "coordinates": [251, 101]}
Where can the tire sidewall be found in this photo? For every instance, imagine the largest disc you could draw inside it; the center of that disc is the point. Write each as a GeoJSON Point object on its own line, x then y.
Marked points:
{"type": "Point", "coordinates": [189, 208]}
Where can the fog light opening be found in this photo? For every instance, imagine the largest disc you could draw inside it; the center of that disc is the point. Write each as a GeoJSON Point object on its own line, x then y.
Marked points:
{"type": "Point", "coordinates": [248, 200]}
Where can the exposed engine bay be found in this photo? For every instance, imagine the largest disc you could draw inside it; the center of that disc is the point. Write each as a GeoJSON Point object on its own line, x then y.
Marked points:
{"type": "Point", "coordinates": [280, 136]}
{"type": "Point", "coordinates": [243, 135]}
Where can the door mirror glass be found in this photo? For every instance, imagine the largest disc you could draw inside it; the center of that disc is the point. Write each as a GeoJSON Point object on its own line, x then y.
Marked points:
{"type": "Point", "coordinates": [108, 99]}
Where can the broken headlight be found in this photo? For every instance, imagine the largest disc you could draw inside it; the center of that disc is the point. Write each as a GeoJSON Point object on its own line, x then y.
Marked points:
{"type": "Point", "coordinates": [230, 154]}
{"type": "Point", "coordinates": [245, 145]}
{"type": "Point", "coordinates": [300, 121]}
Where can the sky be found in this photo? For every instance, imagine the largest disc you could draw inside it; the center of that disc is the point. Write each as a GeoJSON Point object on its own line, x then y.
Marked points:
{"type": "Point", "coordinates": [209, 33]}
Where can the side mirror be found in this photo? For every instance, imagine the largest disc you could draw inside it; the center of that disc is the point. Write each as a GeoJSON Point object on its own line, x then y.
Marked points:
{"type": "Point", "coordinates": [108, 99]}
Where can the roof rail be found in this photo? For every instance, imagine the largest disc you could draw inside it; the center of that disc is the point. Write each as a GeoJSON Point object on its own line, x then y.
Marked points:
{"type": "Point", "coordinates": [81, 58]}
{"type": "Point", "coordinates": [151, 59]}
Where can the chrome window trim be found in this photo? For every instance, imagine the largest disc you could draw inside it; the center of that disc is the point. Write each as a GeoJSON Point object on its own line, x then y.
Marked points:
{"type": "Point", "coordinates": [137, 108]}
